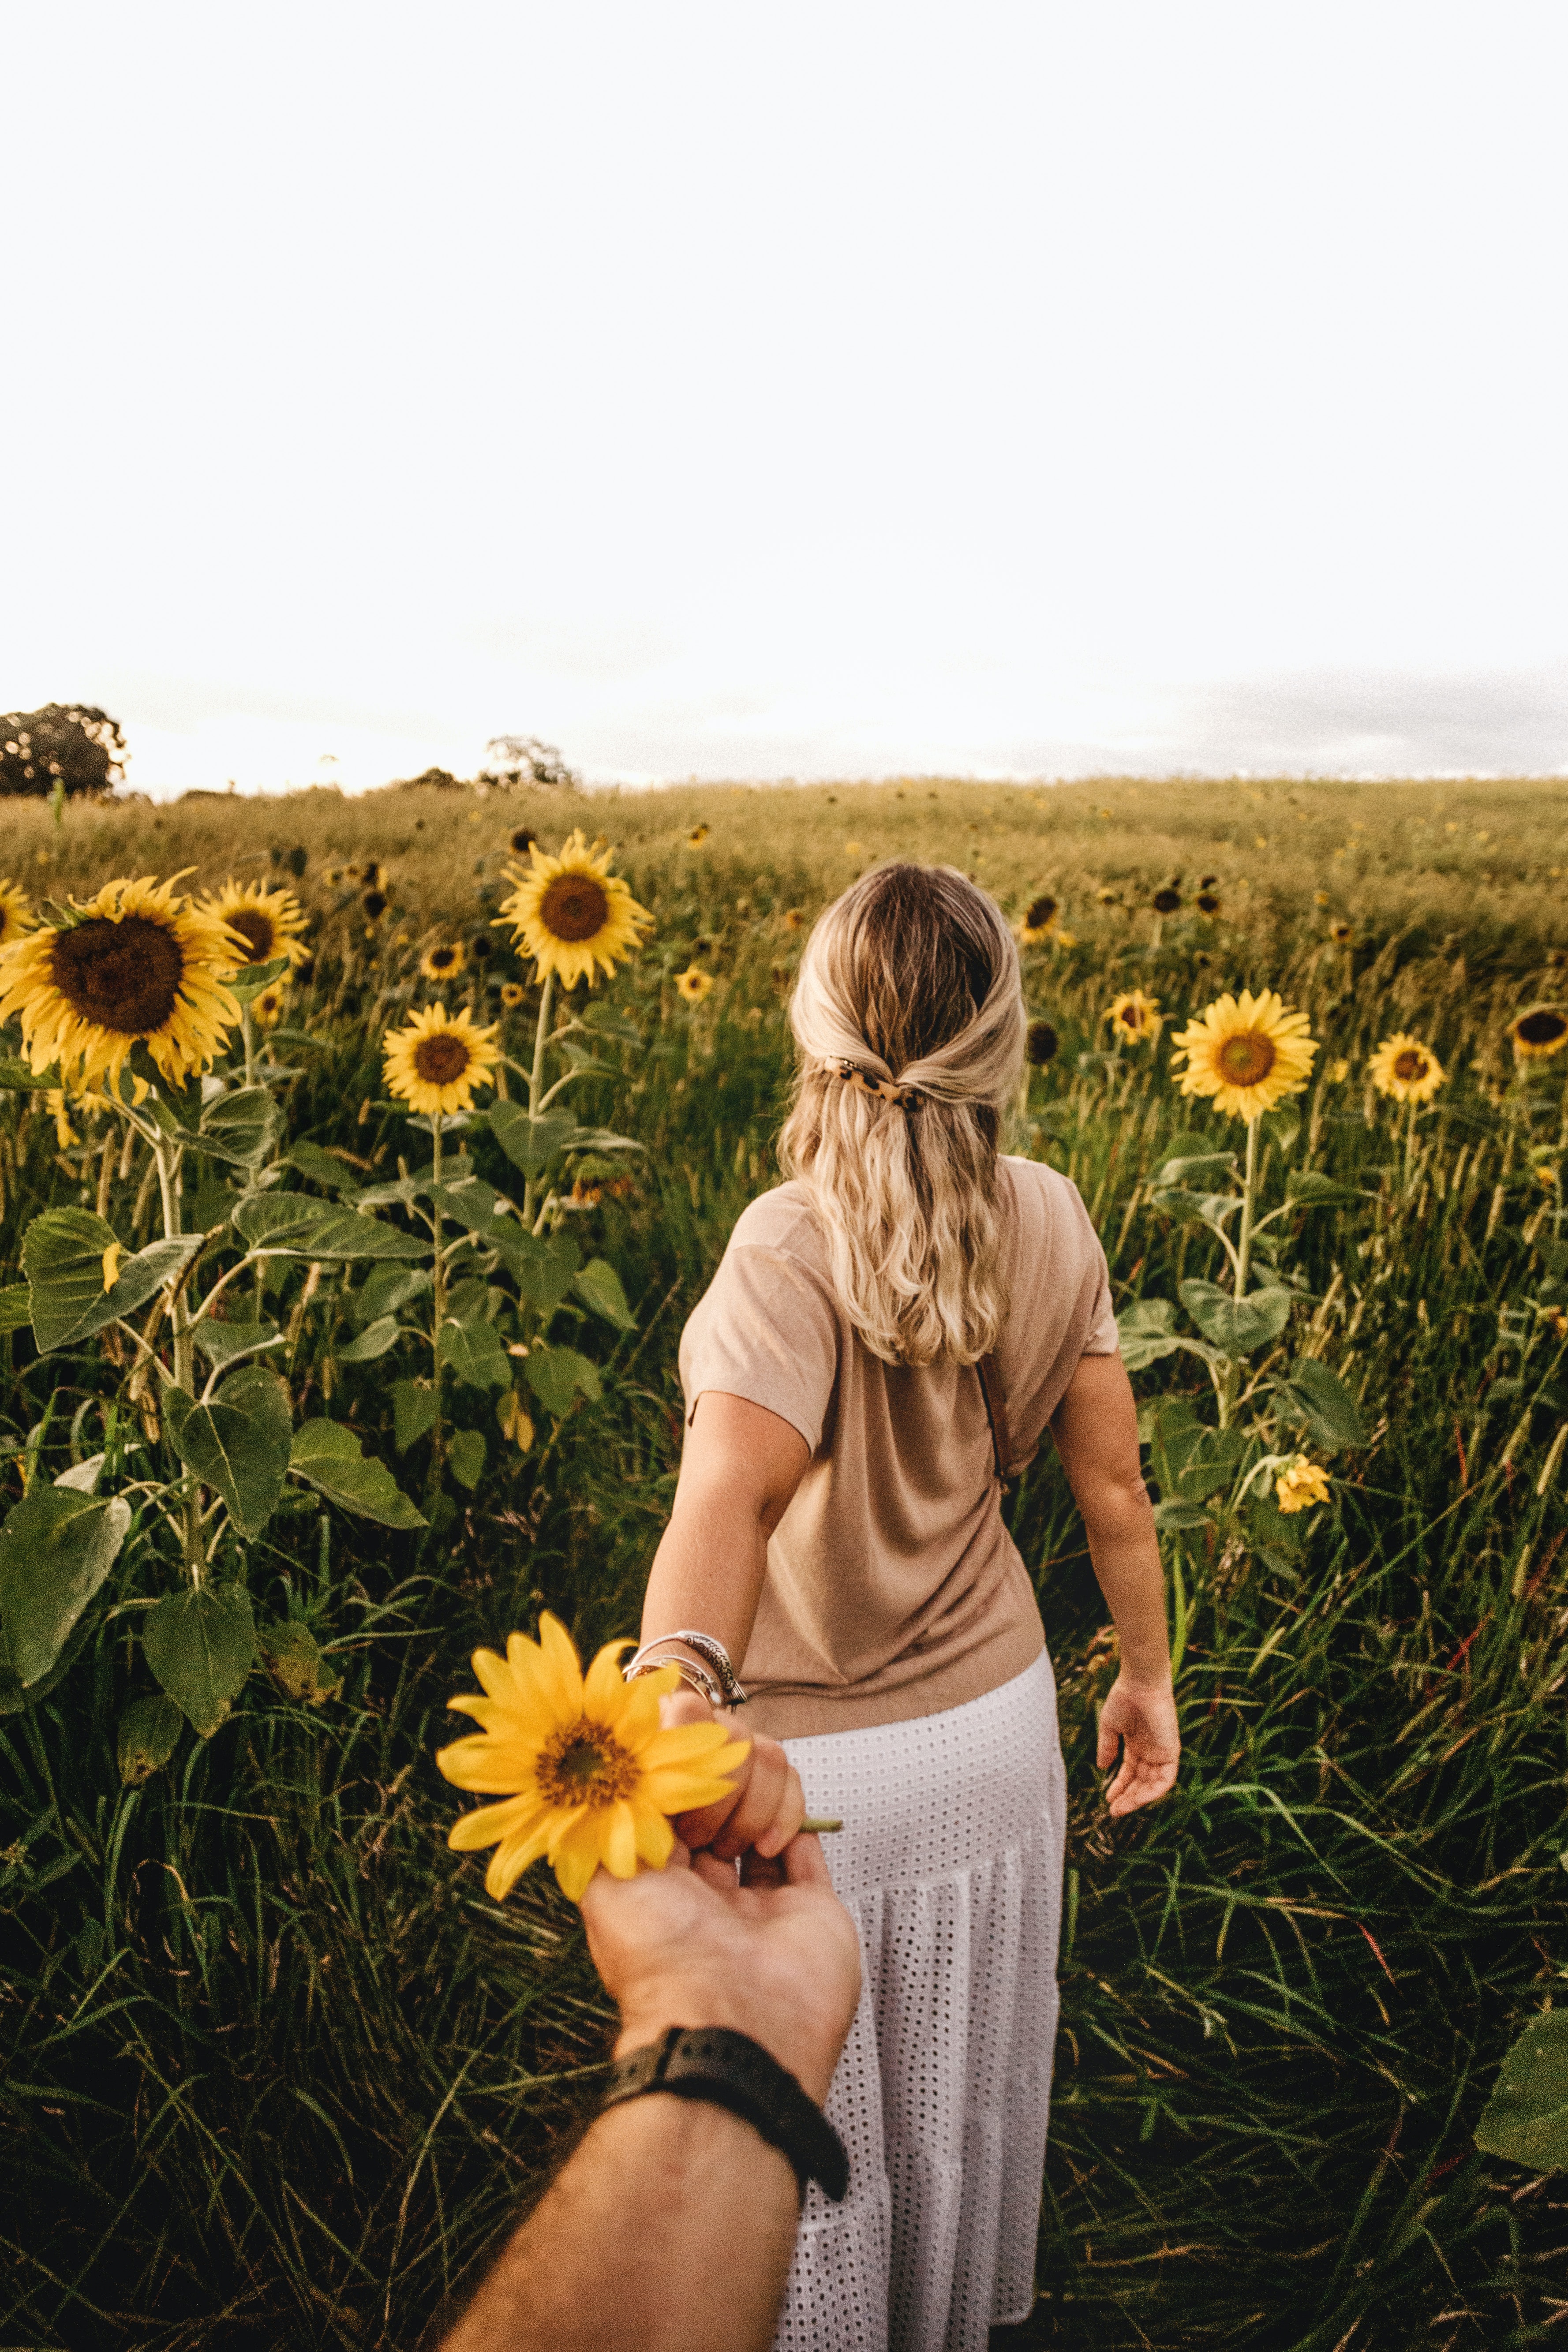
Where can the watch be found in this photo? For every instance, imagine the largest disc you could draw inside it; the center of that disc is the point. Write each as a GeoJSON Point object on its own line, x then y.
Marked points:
{"type": "Point", "coordinates": [730, 2070]}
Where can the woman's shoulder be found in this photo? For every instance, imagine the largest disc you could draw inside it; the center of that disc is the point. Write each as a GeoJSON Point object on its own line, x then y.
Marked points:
{"type": "Point", "coordinates": [781, 1220]}
{"type": "Point", "coordinates": [1041, 1196]}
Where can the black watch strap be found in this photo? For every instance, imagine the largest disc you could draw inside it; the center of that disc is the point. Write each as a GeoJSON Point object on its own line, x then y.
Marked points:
{"type": "Point", "coordinates": [730, 2070]}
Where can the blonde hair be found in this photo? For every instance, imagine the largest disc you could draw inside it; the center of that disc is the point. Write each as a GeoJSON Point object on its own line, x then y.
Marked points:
{"type": "Point", "coordinates": [908, 1015]}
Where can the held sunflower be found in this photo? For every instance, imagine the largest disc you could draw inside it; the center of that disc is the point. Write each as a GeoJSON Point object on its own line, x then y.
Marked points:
{"type": "Point", "coordinates": [444, 961]}
{"type": "Point", "coordinates": [587, 1774]}
{"type": "Point", "coordinates": [1405, 1070]}
{"type": "Point", "coordinates": [1247, 1055]}
{"type": "Point", "coordinates": [570, 913]}
{"type": "Point", "coordinates": [1541, 1030]}
{"type": "Point", "coordinates": [693, 983]}
{"type": "Point", "coordinates": [435, 1065]}
{"type": "Point", "coordinates": [16, 916]}
{"type": "Point", "coordinates": [1132, 1014]}
{"type": "Point", "coordinates": [271, 922]}
{"type": "Point", "coordinates": [133, 964]}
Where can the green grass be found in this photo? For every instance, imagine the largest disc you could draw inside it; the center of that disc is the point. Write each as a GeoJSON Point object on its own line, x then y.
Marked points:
{"type": "Point", "coordinates": [276, 2071]}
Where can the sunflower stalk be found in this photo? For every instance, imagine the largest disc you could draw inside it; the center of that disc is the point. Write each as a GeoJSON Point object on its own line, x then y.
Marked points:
{"type": "Point", "coordinates": [536, 1082]}
{"type": "Point", "coordinates": [437, 1313]}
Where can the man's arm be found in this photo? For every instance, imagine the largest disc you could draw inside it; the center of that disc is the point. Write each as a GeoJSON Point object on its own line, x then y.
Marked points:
{"type": "Point", "coordinates": [670, 2227]}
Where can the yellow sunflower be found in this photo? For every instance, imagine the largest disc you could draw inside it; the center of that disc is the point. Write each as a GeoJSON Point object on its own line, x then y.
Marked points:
{"type": "Point", "coordinates": [16, 916]}
{"type": "Point", "coordinates": [267, 1005]}
{"type": "Point", "coordinates": [444, 961]}
{"type": "Point", "coordinates": [512, 993]}
{"type": "Point", "coordinates": [1133, 1014]}
{"type": "Point", "coordinates": [271, 922]}
{"type": "Point", "coordinates": [1542, 1030]}
{"type": "Point", "coordinates": [693, 983]}
{"type": "Point", "coordinates": [1249, 1055]}
{"type": "Point", "coordinates": [435, 1063]}
{"type": "Point", "coordinates": [697, 836]}
{"type": "Point", "coordinates": [1406, 1069]}
{"type": "Point", "coordinates": [1301, 1485]}
{"type": "Point", "coordinates": [570, 912]}
{"type": "Point", "coordinates": [586, 1772]}
{"type": "Point", "coordinates": [1341, 934]}
{"type": "Point", "coordinates": [1038, 917]}
{"type": "Point", "coordinates": [135, 962]}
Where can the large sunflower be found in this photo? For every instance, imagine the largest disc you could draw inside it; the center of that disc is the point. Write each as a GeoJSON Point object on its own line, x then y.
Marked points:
{"type": "Point", "coordinates": [16, 916]}
{"type": "Point", "coordinates": [587, 1774]}
{"type": "Point", "coordinates": [133, 964]}
{"type": "Point", "coordinates": [570, 912]}
{"type": "Point", "coordinates": [435, 1063]}
{"type": "Point", "coordinates": [1132, 1014]}
{"type": "Point", "coordinates": [271, 922]}
{"type": "Point", "coordinates": [1249, 1055]}
{"type": "Point", "coordinates": [1542, 1030]}
{"type": "Point", "coordinates": [1406, 1069]}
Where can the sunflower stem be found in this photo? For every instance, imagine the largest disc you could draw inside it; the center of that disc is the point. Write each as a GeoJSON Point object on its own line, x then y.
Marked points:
{"type": "Point", "coordinates": [1230, 1382]}
{"type": "Point", "coordinates": [248, 1032]}
{"type": "Point", "coordinates": [439, 1312]}
{"type": "Point", "coordinates": [192, 1542]}
{"type": "Point", "coordinates": [536, 1080]}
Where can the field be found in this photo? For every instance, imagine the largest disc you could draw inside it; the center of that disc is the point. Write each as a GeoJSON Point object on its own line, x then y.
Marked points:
{"type": "Point", "coordinates": [276, 2071]}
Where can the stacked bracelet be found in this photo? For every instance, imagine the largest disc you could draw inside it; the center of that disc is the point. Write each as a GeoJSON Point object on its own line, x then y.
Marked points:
{"type": "Point", "coordinates": [717, 1657]}
{"type": "Point", "coordinates": [696, 1677]}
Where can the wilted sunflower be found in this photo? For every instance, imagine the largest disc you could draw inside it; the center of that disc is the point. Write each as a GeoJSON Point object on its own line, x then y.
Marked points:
{"type": "Point", "coordinates": [435, 1063]}
{"type": "Point", "coordinates": [268, 921]}
{"type": "Point", "coordinates": [1167, 901]}
{"type": "Point", "coordinates": [267, 1005]}
{"type": "Point", "coordinates": [693, 983]}
{"type": "Point", "coordinates": [16, 916]}
{"type": "Point", "coordinates": [1039, 917]}
{"type": "Point", "coordinates": [587, 1774]}
{"type": "Point", "coordinates": [133, 963]}
{"type": "Point", "coordinates": [1405, 1069]}
{"type": "Point", "coordinates": [1249, 1055]}
{"type": "Point", "coordinates": [1133, 1014]}
{"type": "Point", "coordinates": [512, 993]}
{"type": "Point", "coordinates": [374, 905]}
{"type": "Point", "coordinates": [1040, 1043]}
{"type": "Point", "coordinates": [1301, 1485]}
{"type": "Point", "coordinates": [1541, 1030]}
{"type": "Point", "coordinates": [444, 961]}
{"type": "Point", "coordinates": [570, 913]}
{"type": "Point", "coordinates": [1207, 902]}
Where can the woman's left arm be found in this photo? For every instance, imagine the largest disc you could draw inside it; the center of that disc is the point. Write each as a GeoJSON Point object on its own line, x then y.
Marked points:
{"type": "Point", "coordinates": [1096, 1431]}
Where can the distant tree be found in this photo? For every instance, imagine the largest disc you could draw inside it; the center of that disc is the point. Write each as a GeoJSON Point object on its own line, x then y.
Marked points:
{"type": "Point", "coordinates": [514, 759]}
{"type": "Point", "coordinates": [66, 743]}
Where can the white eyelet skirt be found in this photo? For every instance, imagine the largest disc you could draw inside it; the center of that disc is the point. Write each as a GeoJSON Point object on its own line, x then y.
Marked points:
{"type": "Point", "coordinates": [951, 1861]}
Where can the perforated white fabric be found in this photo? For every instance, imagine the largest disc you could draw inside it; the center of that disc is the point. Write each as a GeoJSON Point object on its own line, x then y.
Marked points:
{"type": "Point", "coordinates": [951, 1861]}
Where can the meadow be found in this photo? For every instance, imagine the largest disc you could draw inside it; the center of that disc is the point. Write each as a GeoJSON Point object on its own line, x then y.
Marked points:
{"type": "Point", "coordinates": [276, 2070]}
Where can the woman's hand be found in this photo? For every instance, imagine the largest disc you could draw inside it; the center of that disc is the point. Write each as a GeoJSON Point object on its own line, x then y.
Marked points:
{"type": "Point", "coordinates": [767, 1807]}
{"type": "Point", "coordinates": [1142, 1716]}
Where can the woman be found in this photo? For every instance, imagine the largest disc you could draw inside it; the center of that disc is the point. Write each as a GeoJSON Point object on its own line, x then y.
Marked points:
{"type": "Point", "coordinates": [908, 1313]}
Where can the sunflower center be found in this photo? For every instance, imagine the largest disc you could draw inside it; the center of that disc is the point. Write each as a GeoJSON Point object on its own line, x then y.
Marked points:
{"type": "Point", "coordinates": [441, 1059]}
{"type": "Point", "coordinates": [1133, 1017]}
{"type": "Point", "coordinates": [257, 930]}
{"type": "Point", "coordinates": [574, 907]}
{"type": "Point", "coordinates": [123, 976]}
{"type": "Point", "coordinates": [1410, 1066]}
{"type": "Point", "coordinates": [440, 958]}
{"type": "Point", "coordinates": [1540, 1028]}
{"type": "Point", "coordinates": [587, 1765]}
{"type": "Point", "coordinates": [1246, 1060]}
{"type": "Point", "coordinates": [1040, 913]}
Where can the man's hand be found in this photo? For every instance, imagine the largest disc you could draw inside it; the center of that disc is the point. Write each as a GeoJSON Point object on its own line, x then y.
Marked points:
{"type": "Point", "coordinates": [1141, 1717]}
{"type": "Point", "coordinates": [773, 1954]}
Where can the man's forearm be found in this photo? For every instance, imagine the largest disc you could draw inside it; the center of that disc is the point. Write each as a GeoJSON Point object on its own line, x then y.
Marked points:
{"type": "Point", "coordinates": [669, 2230]}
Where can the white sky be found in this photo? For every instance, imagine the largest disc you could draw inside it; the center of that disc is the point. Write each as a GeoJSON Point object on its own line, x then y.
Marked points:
{"type": "Point", "coordinates": [838, 389]}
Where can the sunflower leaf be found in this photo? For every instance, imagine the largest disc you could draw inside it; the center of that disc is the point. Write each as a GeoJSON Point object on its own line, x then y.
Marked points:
{"type": "Point", "coordinates": [1525, 2121]}
{"type": "Point", "coordinates": [294, 1225]}
{"type": "Point", "coordinates": [1313, 1394]}
{"type": "Point", "coordinates": [1145, 1334]}
{"type": "Point", "coordinates": [57, 1546]}
{"type": "Point", "coordinates": [1308, 1188]}
{"type": "Point", "coordinates": [238, 1127]}
{"type": "Point", "coordinates": [1236, 1326]}
{"type": "Point", "coordinates": [178, 1109]}
{"type": "Point", "coordinates": [250, 982]}
{"type": "Point", "coordinates": [531, 1143]}
{"type": "Point", "coordinates": [19, 1078]}
{"type": "Point", "coordinates": [296, 1661]}
{"type": "Point", "coordinates": [239, 1443]}
{"type": "Point", "coordinates": [542, 1270]}
{"type": "Point", "coordinates": [476, 1355]}
{"type": "Point", "coordinates": [556, 1375]}
{"type": "Point", "coordinates": [413, 1412]}
{"type": "Point", "coordinates": [322, 1168]}
{"type": "Point", "coordinates": [373, 1341]}
{"type": "Point", "coordinates": [62, 1257]}
{"type": "Point", "coordinates": [599, 1287]}
{"type": "Point", "coordinates": [201, 1644]}
{"type": "Point", "coordinates": [327, 1455]}
{"type": "Point", "coordinates": [465, 1457]}
{"type": "Point", "coordinates": [220, 1343]}
{"type": "Point", "coordinates": [147, 1736]}
{"type": "Point", "coordinates": [15, 1307]}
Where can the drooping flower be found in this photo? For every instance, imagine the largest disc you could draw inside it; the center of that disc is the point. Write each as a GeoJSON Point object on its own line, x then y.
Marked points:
{"type": "Point", "coordinates": [1040, 1043]}
{"type": "Point", "coordinates": [435, 1065]}
{"type": "Point", "coordinates": [1405, 1069]}
{"type": "Point", "coordinates": [16, 916]}
{"type": "Point", "coordinates": [1207, 902]}
{"type": "Point", "coordinates": [587, 1774]}
{"type": "Point", "coordinates": [693, 983]}
{"type": "Point", "coordinates": [1247, 1055]}
{"type": "Point", "coordinates": [1541, 1030]}
{"type": "Point", "coordinates": [444, 961]}
{"type": "Point", "coordinates": [1301, 1485]}
{"type": "Point", "coordinates": [134, 963]}
{"type": "Point", "coordinates": [374, 905]}
{"type": "Point", "coordinates": [1167, 901]}
{"type": "Point", "coordinates": [271, 922]}
{"type": "Point", "coordinates": [1039, 917]}
{"type": "Point", "coordinates": [570, 913]}
{"type": "Point", "coordinates": [1132, 1014]}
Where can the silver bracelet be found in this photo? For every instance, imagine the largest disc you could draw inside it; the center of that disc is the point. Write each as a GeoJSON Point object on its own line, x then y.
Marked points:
{"type": "Point", "coordinates": [698, 1678]}
{"type": "Point", "coordinates": [706, 1646]}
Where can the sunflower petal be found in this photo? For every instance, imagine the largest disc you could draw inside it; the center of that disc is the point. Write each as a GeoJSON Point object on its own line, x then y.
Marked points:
{"type": "Point", "coordinates": [604, 1691]}
{"type": "Point", "coordinates": [578, 1855]}
{"type": "Point", "coordinates": [563, 1676]}
{"type": "Point", "coordinates": [655, 1837]}
{"type": "Point", "coordinates": [620, 1841]}
{"type": "Point", "coordinates": [487, 1823]}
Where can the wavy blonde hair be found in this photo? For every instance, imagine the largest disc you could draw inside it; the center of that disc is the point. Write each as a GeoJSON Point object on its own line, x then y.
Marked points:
{"type": "Point", "coordinates": [912, 979]}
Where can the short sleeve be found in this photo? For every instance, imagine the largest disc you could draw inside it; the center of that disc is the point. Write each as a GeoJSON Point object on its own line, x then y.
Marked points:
{"type": "Point", "coordinates": [764, 1329]}
{"type": "Point", "coordinates": [1104, 1338]}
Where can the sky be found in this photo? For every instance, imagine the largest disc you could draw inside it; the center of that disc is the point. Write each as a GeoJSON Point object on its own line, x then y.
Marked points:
{"type": "Point", "coordinates": [844, 389]}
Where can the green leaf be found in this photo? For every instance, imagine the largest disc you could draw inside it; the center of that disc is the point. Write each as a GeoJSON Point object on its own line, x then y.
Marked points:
{"type": "Point", "coordinates": [387, 1289]}
{"type": "Point", "coordinates": [1313, 1394]}
{"type": "Point", "coordinates": [177, 1109]}
{"type": "Point", "coordinates": [1526, 2118]}
{"type": "Point", "coordinates": [1144, 1332]}
{"type": "Point", "coordinates": [239, 1128]}
{"type": "Point", "coordinates": [1178, 1515]}
{"type": "Point", "coordinates": [322, 1168]}
{"type": "Point", "coordinates": [298, 1226]}
{"type": "Point", "coordinates": [250, 982]}
{"type": "Point", "coordinates": [220, 1343]}
{"type": "Point", "coordinates": [1212, 1164]}
{"type": "Point", "coordinates": [62, 1257]}
{"type": "Point", "coordinates": [238, 1445]}
{"type": "Point", "coordinates": [475, 1354]}
{"type": "Point", "coordinates": [15, 1307]}
{"type": "Point", "coordinates": [531, 1143]}
{"type": "Point", "coordinates": [1236, 1326]}
{"type": "Point", "coordinates": [17, 1078]}
{"type": "Point", "coordinates": [373, 1341]}
{"type": "Point", "coordinates": [599, 1287]}
{"type": "Point", "coordinates": [201, 1644]}
{"type": "Point", "coordinates": [558, 1374]}
{"type": "Point", "coordinates": [542, 1270]}
{"type": "Point", "coordinates": [149, 1733]}
{"type": "Point", "coordinates": [1203, 1461]}
{"type": "Point", "coordinates": [57, 1546]}
{"type": "Point", "coordinates": [604, 1139]}
{"type": "Point", "coordinates": [413, 1412]}
{"type": "Point", "coordinates": [465, 1457]}
{"type": "Point", "coordinates": [327, 1455]}
{"type": "Point", "coordinates": [1310, 1189]}
{"type": "Point", "coordinates": [295, 1660]}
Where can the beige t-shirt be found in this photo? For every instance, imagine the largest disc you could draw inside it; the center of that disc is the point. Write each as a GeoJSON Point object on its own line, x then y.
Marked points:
{"type": "Point", "coordinates": [893, 1589]}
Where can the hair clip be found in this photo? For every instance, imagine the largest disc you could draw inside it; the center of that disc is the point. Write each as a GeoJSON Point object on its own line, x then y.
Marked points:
{"type": "Point", "coordinates": [884, 1089]}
